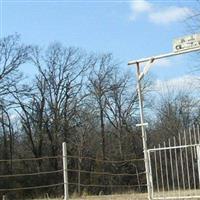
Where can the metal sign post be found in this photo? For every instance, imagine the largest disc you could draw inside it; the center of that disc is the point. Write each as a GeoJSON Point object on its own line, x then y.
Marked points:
{"type": "Point", "coordinates": [185, 45]}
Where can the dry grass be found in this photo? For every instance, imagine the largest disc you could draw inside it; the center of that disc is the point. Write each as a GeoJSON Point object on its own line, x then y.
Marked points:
{"type": "Point", "coordinates": [138, 196]}
{"type": "Point", "coordinates": [133, 196]}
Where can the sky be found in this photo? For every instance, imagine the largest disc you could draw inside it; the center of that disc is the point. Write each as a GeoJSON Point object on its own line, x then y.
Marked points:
{"type": "Point", "coordinates": [128, 29]}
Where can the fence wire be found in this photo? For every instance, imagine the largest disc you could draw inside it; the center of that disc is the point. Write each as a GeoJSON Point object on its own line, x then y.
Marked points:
{"type": "Point", "coordinates": [106, 173]}
{"type": "Point", "coordinates": [31, 174]}
{"type": "Point", "coordinates": [81, 172]}
{"type": "Point", "coordinates": [114, 186]}
{"type": "Point", "coordinates": [107, 161]}
{"type": "Point", "coordinates": [31, 159]}
{"type": "Point", "coordinates": [31, 187]}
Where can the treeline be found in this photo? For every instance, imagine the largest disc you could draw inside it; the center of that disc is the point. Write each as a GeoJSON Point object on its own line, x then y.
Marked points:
{"type": "Point", "coordinates": [87, 100]}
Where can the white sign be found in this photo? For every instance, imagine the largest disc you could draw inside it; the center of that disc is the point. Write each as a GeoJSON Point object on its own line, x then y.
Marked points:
{"type": "Point", "coordinates": [187, 42]}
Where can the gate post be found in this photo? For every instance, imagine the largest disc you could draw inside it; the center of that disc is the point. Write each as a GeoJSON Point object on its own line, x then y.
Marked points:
{"type": "Point", "coordinates": [198, 159]}
{"type": "Point", "coordinates": [150, 175]}
{"type": "Point", "coordinates": [65, 176]}
{"type": "Point", "coordinates": [143, 128]}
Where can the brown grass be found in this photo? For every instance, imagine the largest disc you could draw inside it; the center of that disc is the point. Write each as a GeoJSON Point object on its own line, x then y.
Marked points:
{"type": "Point", "coordinates": [133, 196]}
{"type": "Point", "coordinates": [137, 196]}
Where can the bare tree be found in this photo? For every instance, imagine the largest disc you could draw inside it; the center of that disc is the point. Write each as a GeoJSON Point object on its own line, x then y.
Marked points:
{"type": "Point", "coordinates": [31, 111]}
{"type": "Point", "coordinates": [175, 110]}
{"type": "Point", "coordinates": [121, 106]}
{"type": "Point", "coordinates": [8, 137]}
{"type": "Point", "coordinates": [12, 56]}
{"type": "Point", "coordinates": [62, 70]}
{"type": "Point", "coordinates": [99, 85]}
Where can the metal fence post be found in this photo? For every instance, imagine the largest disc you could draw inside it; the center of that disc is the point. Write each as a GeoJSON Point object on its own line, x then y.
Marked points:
{"type": "Point", "coordinates": [65, 176]}
{"type": "Point", "coordinates": [4, 197]}
{"type": "Point", "coordinates": [198, 160]}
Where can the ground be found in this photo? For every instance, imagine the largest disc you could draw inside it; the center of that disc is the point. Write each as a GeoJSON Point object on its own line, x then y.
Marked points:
{"type": "Point", "coordinates": [116, 197]}
{"type": "Point", "coordinates": [110, 197]}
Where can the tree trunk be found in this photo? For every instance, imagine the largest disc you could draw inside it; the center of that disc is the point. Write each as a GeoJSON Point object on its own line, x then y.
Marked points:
{"type": "Point", "coordinates": [102, 133]}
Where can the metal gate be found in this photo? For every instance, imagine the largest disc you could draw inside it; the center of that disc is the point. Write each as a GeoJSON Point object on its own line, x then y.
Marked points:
{"type": "Point", "coordinates": [175, 169]}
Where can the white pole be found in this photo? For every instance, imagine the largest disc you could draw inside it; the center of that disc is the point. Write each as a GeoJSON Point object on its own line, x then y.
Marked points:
{"type": "Point", "coordinates": [163, 56]}
{"type": "Point", "coordinates": [144, 136]}
{"type": "Point", "coordinates": [198, 160]}
{"type": "Point", "coordinates": [65, 176]}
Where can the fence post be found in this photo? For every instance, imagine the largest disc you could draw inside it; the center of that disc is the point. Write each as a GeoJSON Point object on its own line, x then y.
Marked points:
{"type": "Point", "coordinates": [198, 160]}
{"type": "Point", "coordinates": [4, 197]}
{"type": "Point", "coordinates": [65, 176]}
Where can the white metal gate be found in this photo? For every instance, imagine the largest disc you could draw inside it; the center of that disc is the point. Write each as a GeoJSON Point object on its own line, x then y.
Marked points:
{"type": "Point", "coordinates": [175, 169]}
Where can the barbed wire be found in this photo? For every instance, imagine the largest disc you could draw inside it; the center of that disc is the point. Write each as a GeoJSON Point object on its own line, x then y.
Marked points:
{"type": "Point", "coordinates": [106, 173]}
{"type": "Point", "coordinates": [31, 159]}
{"type": "Point", "coordinates": [31, 188]}
{"type": "Point", "coordinates": [75, 157]}
{"type": "Point", "coordinates": [31, 174]}
{"type": "Point", "coordinates": [95, 185]}
{"type": "Point", "coordinates": [107, 161]}
{"type": "Point", "coordinates": [73, 170]}
{"type": "Point", "coordinates": [59, 184]}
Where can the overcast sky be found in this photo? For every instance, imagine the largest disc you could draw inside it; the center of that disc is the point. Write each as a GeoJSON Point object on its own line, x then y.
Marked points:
{"type": "Point", "coordinates": [128, 29]}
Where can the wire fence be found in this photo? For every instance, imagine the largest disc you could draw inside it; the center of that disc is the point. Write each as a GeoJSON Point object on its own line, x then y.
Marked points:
{"type": "Point", "coordinates": [127, 174]}
{"type": "Point", "coordinates": [85, 174]}
{"type": "Point", "coordinates": [28, 176]}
